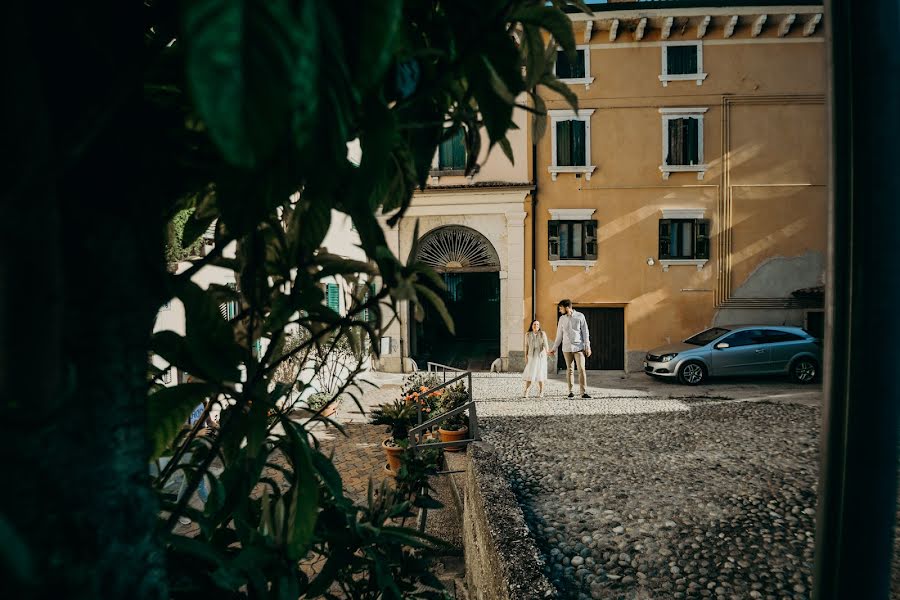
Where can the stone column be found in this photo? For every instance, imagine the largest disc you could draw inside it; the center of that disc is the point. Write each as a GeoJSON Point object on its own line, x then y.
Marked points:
{"type": "Point", "coordinates": [512, 327]}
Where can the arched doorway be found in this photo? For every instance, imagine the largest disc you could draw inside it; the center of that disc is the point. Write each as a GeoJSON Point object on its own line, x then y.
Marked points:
{"type": "Point", "coordinates": [470, 268]}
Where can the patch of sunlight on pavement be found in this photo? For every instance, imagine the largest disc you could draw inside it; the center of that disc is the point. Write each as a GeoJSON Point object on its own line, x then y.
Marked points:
{"type": "Point", "coordinates": [551, 406]}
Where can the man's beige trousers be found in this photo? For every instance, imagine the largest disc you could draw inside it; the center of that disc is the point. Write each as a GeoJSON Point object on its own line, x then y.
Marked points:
{"type": "Point", "coordinates": [571, 358]}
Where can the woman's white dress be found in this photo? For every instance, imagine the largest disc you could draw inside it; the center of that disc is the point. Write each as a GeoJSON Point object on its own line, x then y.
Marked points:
{"type": "Point", "coordinates": [536, 347]}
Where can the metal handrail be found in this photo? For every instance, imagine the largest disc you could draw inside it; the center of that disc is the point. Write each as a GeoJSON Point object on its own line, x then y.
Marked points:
{"type": "Point", "coordinates": [420, 427]}
{"type": "Point", "coordinates": [434, 367]}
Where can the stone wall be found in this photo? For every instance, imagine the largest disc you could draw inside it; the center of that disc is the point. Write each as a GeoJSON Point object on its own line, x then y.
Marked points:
{"type": "Point", "coordinates": [502, 559]}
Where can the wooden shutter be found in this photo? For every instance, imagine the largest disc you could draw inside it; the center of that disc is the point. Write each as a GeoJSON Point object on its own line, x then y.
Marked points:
{"type": "Point", "coordinates": [665, 238]}
{"type": "Point", "coordinates": [590, 240]}
{"type": "Point", "coordinates": [564, 143]}
{"type": "Point", "coordinates": [681, 60]}
{"type": "Point", "coordinates": [553, 240]}
{"type": "Point", "coordinates": [579, 144]}
{"type": "Point", "coordinates": [333, 296]}
{"type": "Point", "coordinates": [701, 238]}
{"type": "Point", "coordinates": [692, 141]}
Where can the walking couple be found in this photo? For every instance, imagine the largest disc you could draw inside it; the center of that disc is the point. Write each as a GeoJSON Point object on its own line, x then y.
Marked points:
{"type": "Point", "coordinates": [572, 334]}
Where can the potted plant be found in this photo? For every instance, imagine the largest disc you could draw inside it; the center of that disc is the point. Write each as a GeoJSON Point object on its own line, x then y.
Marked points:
{"type": "Point", "coordinates": [324, 402]}
{"type": "Point", "coordinates": [398, 416]}
{"type": "Point", "coordinates": [453, 428]}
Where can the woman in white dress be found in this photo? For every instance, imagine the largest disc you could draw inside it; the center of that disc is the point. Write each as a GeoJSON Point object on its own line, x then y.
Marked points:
{"type": "Point", "coordinates": [536, 347]}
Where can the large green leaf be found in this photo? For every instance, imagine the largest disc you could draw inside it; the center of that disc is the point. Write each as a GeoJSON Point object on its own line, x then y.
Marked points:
{"type": "Point", "coordinates": [304, 509]}
{"type": "Point", "coordinates": [210, 338]}
{"type": "Point", "coordinates": [252, 69]}
{"type": "Point", "coordinates": [561, 88]}
{"type": "Point", "coordinates": [373, 43]}
{"type": "Point", "coordinates": [552, 19]}
{"type": "Point", "coordinates": [438, 304]}
{"type": "Point", "coordinates": [168, 410]}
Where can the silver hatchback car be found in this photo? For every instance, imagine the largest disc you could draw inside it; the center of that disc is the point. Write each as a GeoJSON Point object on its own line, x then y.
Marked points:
{"type": "Point", "coordinates": [739, 350]}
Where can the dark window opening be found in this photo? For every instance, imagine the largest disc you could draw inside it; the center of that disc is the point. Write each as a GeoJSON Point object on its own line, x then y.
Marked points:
{"type": "Point", "coordinates": [683, 239]}
{"type": "Point", "coordinates": [684, 141]}
{"type": "Point", "coordinates": [571, 143]}
{"type": "Point", "coordinates": [567, 69]}
{"type": "Point", "coordinates": [682, 60]}
{"type": "Point", "coordinates": [572, 240]}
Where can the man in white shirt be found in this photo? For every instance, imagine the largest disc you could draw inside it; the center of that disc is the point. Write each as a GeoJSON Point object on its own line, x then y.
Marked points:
{"type": "Point", "coordinates": [572, 333]}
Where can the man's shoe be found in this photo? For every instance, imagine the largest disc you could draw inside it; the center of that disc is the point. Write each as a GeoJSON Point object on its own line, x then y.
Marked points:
{"type": "Point", "coordinates": [571, 395]}
{"type": "Point", "coordinates": [585, 396]}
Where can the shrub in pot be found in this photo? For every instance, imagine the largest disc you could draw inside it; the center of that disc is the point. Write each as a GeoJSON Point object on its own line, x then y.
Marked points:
{"type": "Point", "coordinates": [454, 428]}
{"type": "Point", "coordinates": [324, 402]}
{"type": "Point", "coordinates": [398, 416]}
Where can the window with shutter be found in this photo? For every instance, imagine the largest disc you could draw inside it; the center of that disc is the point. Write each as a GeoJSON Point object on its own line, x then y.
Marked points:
{"type": "Point", "coordinates": [684, 141]}
{"type": "Point", "coordinates": [369, 314]}
{"type": "Point", "coordinates": [229, 309]}
{"type": "Point", "coordinates": [571, 148]}
{"type": "Point", "coordinates": [683, 239]}
{"type": "Point", "coordinates": [567, 69]}
{"type": "Point", "coordinates": [332, 292]}
{"type": "Point", "coordinates": [452, 152]}
{"type": "Point", "coordinates": [572, 240]}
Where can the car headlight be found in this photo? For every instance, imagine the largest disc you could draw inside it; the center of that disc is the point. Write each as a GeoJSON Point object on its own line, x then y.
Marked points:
{"type": "Point", "coordinates": [667, 357]}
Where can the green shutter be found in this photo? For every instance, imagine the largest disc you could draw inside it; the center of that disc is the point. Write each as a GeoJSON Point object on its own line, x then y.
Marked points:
{"type": "Point", "coordinates": [553, 240]}
{"type": "Point", "coordinates": [333, 296]}
{"type": "Point", "coordinates": [665, 238]}
{"type": "Point", "coordinates": [578, 143]}
{"type": "Point", "coordinates": [590, 240]}
{"type": "Point", "coordinates": [452, 152]}
{"type": "Point", "coordinates": [564, 143]}
{"type": "Point", "coordinates": [701, 238]}
{"type": "Point", "coordinates": [681, 60]}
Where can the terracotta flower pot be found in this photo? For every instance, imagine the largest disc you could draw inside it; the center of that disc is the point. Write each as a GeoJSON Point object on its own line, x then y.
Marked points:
{"type": "Point", "coordinates": [329, 410]}
{"type": "Point", "coordinates": [393, 454]}
{"type": "Point", "coordinates": [453, 436]}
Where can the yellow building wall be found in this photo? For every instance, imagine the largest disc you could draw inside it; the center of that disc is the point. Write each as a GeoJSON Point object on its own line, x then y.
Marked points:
{"type": "Point", "coordinates": [765, 194]}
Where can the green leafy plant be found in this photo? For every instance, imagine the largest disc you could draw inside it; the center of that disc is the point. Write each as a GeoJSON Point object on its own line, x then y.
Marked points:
{"type": "Point", "coordinates": [234, 116]}
{"type": "Point", "coordinates": [318, 401]}
{"type": "Point", "coordinates": [455, 396]}
{"type": "Point", "coordinates": [398, 416]}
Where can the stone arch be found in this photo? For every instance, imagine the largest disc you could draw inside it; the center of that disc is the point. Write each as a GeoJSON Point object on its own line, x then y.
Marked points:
{"type": "Point", "coordinates": [458, 249]}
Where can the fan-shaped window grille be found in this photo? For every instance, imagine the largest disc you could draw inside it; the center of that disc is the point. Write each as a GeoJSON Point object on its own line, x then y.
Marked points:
{"type": "Point", "coordinates": [457, 249]}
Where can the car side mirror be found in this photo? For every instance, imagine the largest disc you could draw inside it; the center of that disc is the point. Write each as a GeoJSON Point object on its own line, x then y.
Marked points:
{"type": "Point", "coordinates": [722, 345]}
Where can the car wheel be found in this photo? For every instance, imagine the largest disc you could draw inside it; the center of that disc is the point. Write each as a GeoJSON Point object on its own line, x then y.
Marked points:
{"type": "Point", "coordinates": [804, 370]}
{"type": "Point", "coordinates": [692, 373]}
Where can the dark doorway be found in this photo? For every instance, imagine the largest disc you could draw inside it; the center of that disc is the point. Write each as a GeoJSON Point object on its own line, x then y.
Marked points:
{"type": "Point", "coordinates": [607, 329]}
{"type": "Point", "coordinates": [473, 301]}
{"type": "Point", "coordinates": [815, 323]}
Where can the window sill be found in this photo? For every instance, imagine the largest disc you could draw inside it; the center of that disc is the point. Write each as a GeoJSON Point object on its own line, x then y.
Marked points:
{"type": "Point", "coordinates": [554, 171]}
{"type": "Point", "coordinates": [667, 170]}
{"type": "Point", "coordinates": [698, 77]}
{"type": "Point", "coordinates": [436, 174]}
{"type": "Point", "coordinates": [587, 264]}
{"type": "Point", "coordinates": [697, 262]}
{"type": "Point", "coordinates": [585, 81]}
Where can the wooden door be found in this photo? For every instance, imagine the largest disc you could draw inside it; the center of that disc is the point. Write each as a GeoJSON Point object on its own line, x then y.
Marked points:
{"type": "Point", "coordinates": [607, 329]}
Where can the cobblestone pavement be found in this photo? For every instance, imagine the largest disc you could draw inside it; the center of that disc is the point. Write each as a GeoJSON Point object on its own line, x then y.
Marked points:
{"type": "Point", "coordinates": [713, 502]}
{"type": "Point", "coordinates": [654, 490]}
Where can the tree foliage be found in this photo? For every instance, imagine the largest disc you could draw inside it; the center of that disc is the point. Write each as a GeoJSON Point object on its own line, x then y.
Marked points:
{"type": "Point", "coordinates": [248, 108]}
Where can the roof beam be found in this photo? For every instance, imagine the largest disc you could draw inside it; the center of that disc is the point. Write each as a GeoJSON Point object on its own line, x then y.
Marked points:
{"type": "Point", "coordinates": [758, 25]}
{"type": "Point", "coordinates": [701, 28]}
{"type": "Point", "coordinates": [667, 27]}
{"type": "Point", "coordinates": [810, 27]}
{"type": "Point", "coordinates": [588, 28]}
{"type": "Point", "coordinates": [641, 26]}
{"type": "Point", "coordinates": [730, 25]}
{"type": "Point", "coordinates": [613, 30]}
{"type": "Point", "coordinates": [785, 26]}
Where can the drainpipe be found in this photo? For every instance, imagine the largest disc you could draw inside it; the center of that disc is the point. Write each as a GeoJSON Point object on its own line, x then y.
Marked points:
{"type": "Point", "coordinates": [534, 200]}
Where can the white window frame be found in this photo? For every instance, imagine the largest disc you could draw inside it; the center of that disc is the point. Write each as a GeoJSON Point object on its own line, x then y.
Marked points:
{"type": "Point", "coordinates": [574, 214]}
{"type": "Point", "coordinates": [587, 80]}
{"type": "Point", "coordinates": [699, 76]}
{"type": "Point", "coordinates": [683, 213]}
{"type": "Point", "coordinates": [570, 115]}
{"type": "Point", "coordinates": [669, 114]}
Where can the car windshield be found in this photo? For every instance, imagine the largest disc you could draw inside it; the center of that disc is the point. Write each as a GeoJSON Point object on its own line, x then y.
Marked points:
{"type": "Point", "coordinates": [702, 339]}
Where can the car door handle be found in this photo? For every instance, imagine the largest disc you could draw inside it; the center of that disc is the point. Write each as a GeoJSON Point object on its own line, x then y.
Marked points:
{"type": "Point", "coordinates": [761, 350]}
